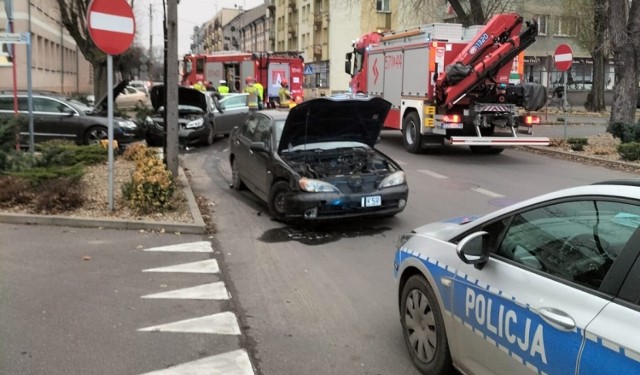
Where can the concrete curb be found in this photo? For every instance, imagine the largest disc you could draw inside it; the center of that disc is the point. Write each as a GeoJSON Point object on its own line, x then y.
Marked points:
{"type": "Point", "coordinates": [197, 227]}
{"type": "Point", "coordinates": [571, 155]}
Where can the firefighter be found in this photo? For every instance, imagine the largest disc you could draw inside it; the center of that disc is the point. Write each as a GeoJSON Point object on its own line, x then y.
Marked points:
{"type": "Point", "coordinates": [252, 90]}
{"type": "Point", "coordinates": [199, 86]}
{"type": "Point", "coordinates": [223, 89]}
{"type": "Point", "coordinates": [260, 88]}
{"type": "Point", "coordinates": [294, 103]}
{"type": "Point", "coordinates": [284, 94]}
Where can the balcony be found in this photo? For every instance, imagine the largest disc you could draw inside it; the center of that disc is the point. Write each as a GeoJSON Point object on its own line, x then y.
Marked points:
{"type": "Point", "coordinates": [317, 51]}
{"type": "Point", "coordinates": [383, 21]}
{"type": "Point", "coordinates": [292, 4]}
{"type": "Point", "coordinates": [317, 18]}
{"type": "Point", "coordinates": [293, 29]}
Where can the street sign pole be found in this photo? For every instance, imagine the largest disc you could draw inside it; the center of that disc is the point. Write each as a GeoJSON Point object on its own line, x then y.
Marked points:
{"type": "Point", "coordinates": [112, 28]}
{"type": "Point", "coordinates": [563, 58]}
{"type": "Point", "coordinates": [110, 126]}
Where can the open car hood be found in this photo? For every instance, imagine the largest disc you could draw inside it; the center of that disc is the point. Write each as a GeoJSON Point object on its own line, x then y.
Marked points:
{"type": "Point", "coordinates": [186, 96]}
{"type": "Point", "coordinates": [337, 118]}
{"type": "Point", "coordinates": [101, 105]}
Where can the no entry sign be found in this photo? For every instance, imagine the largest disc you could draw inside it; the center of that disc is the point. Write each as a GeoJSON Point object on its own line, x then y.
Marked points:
{"type": "Point", "coordinates": [112, 25]}
{"type": "Point", "coordinates": [563, 57]}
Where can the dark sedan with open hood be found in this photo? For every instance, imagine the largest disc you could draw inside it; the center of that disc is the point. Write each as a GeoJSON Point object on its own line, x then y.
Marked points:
{"type": "Point", "coordinates": [318, 161]}
{"type": "Point", "coordinates": [195, 117]}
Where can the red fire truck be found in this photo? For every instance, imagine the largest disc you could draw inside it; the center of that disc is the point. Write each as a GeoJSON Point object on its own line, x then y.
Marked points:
{"type": "Point", "coordinates": [451, 85]}
{"type": "Point", "coordinates": [268, 68]}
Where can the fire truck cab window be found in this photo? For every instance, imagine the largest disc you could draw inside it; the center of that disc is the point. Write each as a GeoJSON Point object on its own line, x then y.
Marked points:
{"type": "Point", "coordinates": [358, 55]}
{"type": "Point", "coordinates": [187, 67]}
{"type": "Point", "coordinates": [200, 66]}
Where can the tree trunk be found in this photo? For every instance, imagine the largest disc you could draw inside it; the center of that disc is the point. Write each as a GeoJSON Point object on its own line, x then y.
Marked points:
{"type": "Point", "coordinates": [99, 79]}
{"type": "Point", "coordinates": [623, 109]}
{"type": "Point", "coordinates": [624, 21]}
{"type": "Point", "coordinates": [595, 99]}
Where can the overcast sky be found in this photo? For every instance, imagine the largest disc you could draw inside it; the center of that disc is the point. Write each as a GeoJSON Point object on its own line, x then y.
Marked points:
{"type": "Point", "coordinates": [190, 13]}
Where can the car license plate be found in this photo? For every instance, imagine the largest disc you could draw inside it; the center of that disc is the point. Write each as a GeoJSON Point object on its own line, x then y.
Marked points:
{"type": "Point", "coordinates": [373, 201]}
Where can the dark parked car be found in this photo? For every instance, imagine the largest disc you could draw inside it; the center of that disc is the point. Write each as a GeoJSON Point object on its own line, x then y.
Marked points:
{"type": "Point", "coordinates": [195, 117]}
{"type": "Point", "coordinates": [318, 161]}
{"type": "Point", "coordinates": [55, 117]}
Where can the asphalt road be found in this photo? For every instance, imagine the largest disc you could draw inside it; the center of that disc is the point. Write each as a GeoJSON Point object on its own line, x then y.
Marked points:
{"type": "Point", "coordinates": [321, 300]}
{"type": "Point", "coordinates": [317, 300]}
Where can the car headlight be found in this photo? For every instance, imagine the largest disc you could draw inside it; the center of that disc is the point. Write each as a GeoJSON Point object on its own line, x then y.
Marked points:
{"type": "Point", "coordinates": [127, 124]}
{"type": "Point", "coordinates": [393, 179]}
{"type": "Point", "coordinates": [195, 123]}
{"type": "Point", "coordinates": [316, 186]}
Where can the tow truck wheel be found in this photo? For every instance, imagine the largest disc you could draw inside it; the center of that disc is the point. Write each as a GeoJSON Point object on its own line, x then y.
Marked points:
{"type": "Point", "coordinates": [411, 137]}
{"type": "Point", "coordinates": [423, 328]}
{"type": "Point", "coordinates": [486, 150]}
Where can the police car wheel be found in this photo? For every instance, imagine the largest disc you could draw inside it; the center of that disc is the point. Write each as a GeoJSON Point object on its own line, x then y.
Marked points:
{"type": "Point", "coordinates": [423, 328]}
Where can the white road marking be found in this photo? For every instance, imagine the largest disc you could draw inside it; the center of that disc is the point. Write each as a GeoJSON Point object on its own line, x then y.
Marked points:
{"type": "Point", "coordinates": [222, 324]}
{"type": "Point", "coordinates": [202, 266]}
{"type": "Point", "coordinates": [432, 174]}
{"type": "Point", "coordinates": [192, 247]}
{"type": "Point", "coordinates": [110, 22]}
{"type": "Point", "coordinates": [487, 192]}
{"type": "Point", "coordinates": [216, 291]}
{"type": "Point", "coordinates": [231, 363]}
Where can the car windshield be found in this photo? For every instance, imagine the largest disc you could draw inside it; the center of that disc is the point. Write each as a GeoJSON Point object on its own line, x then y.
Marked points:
{"type": "Point", "coordinates": [327, 146]}
{"type": "Point", "coordinates": [79, 105]}
{"type": "Point", "coordinates": [279, 126]}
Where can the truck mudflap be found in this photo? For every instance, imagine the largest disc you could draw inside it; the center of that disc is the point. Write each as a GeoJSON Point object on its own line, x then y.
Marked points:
{"type": "Point", "coordinates": [498, 141]}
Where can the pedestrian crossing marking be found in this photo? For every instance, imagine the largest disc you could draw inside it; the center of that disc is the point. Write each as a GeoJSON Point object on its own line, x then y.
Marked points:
{"type": "Point", "coordinates": [192, 247]}
{"type": "Point", "coordinates": [232, 363]}
{"type": "Point", "coordinates": [222, 324]}
{"type": "Point", "coordinates": [201, 266]}
{"type": "Point", "coordinates": [215, 291]}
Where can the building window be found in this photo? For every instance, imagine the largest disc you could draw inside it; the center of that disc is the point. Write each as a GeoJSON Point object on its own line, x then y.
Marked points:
{"type": "Point", "coordinates": [543, 22]}
{"type": "Point", "coordinates": [566, 26]}
{"type": "Point", "coordinates": [382, 5]}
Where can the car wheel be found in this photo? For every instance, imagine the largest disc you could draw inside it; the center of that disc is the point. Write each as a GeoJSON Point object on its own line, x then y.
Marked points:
{"type": "Point", "coordinates": [151, 142]}
{"type": "Point", "coordinates": [277, 196]}
{"type": "Point", "coordinates": [423, 328]}
{"type": "Point", "coordinates": [411, 137]}
{"type": "Point", "coordinates": [487, 150]}
{"type": "Point", "coordinates": [236, 180]}
{"type": "Point", "coordinates": [95, 134]}
{"type": "Point", "coordinates": [211, 135]}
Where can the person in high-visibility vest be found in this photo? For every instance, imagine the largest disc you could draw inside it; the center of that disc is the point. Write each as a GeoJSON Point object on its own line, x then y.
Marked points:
{"type": "Point", "coordinates": [252, 90]}
{"type": "Point", "coordinates": [260, 88]}
{"type": "Point", "coordinates": [199, 86]}
{"type": "Point", "coordinates": [284, 94]}
{"type": "Point", "coordinates": [223, 89]}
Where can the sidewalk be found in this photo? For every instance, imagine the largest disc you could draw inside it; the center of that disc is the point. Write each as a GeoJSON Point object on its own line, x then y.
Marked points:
{"type": "Point", "coordinates": [197, 227]}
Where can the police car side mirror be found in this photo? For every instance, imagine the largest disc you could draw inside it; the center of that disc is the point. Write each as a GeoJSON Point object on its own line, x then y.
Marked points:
{"type": "Point", "coordinates": [474, 249]}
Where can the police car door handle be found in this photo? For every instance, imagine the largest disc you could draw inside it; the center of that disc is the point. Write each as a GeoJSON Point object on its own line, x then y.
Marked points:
{"type": "Point", "coordinates": [557, 318]}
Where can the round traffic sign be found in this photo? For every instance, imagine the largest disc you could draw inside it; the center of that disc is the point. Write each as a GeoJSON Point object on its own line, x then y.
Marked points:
{"type": "Point", "coordinates": [112, 25]}
{"type": "Point", "coordinates": [563, 57]}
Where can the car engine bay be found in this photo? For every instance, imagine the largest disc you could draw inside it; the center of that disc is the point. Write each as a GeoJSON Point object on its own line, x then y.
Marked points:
{"type": "Point", "coordinates": [323, 164]}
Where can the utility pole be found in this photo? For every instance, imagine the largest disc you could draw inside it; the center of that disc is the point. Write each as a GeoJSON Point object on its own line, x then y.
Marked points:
{"type": "Point", "coordinates": [171, 87]}
{"type": "Point", "coordinates": [150, 61]}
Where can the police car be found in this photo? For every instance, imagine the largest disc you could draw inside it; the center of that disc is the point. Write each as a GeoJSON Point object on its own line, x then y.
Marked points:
{"type": "Point", "coordinates": [550, 285]}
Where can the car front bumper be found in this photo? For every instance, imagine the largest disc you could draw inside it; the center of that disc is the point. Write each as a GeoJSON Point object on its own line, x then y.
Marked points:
{"type": "Point", "coordinates": [185, 136]}
{"type": "Point", "coordinates": [323, 206]}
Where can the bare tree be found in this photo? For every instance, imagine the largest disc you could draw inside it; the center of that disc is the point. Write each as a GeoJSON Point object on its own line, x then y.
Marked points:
{"type": "Point", "coordinates": [624, 29]}
{"type": "Point", "coordinates": [477, 12]}
{"type": "Point", "coordinates": [73, 18]}
{"type": "Point", "coordinates": [591, 25]}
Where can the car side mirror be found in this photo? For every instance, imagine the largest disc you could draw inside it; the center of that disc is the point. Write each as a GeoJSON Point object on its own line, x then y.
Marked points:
{"type": "Point", "coordinates": [68, 111]}
{"type": "Point", "coordinates": [474, 249]}
{"type": "Point", "coordinates": [259, 147]}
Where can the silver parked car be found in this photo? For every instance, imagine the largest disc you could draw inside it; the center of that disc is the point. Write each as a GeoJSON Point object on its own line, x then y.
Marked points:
{"type": "Point", "coordinates": [550, 285]}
